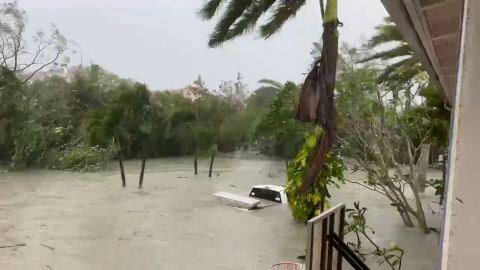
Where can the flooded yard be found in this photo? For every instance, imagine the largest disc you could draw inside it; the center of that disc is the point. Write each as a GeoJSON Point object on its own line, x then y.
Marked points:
{"type": "Point", "coordinates": [87, 221]}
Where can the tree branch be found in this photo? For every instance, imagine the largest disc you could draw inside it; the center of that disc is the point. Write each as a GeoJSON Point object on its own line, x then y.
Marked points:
{"type": "Point", "coordinates": [59, 52]}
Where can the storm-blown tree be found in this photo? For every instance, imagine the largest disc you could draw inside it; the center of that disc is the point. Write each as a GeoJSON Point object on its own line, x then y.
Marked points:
{"type": "Point", "coordinates": [127, 122]}
{"type": "Point", "coordinates": [24, 59]}
{"type": "Point", "coordinates": [316, 98]}
{"type": "Point", "coordinates": [383, 136]}
{"type": "Point", "coordinates": [406, 78]}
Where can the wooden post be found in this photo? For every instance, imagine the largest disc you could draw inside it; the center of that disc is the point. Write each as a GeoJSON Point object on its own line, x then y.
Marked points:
{"type": "Point", "coordinates": [140, 181]}
{"type": "Point", "coordinates": [122, 170]}
{"type": "Point", "coordinates": [195, 163]}
{"type": "Point", "coordinates": [211, 165]}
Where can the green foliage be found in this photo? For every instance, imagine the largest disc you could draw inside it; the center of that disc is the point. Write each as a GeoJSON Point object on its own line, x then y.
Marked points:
{"type": "Point", "coordinates": [278, 132]}
{"type": "Point", "coordinates": [81, 158]}
{"type": "Point", "coordinates": [306, 206]}
{"type": "Point", "coordinates": [356, 223]}
{"type": "Point", "coordinates": [30, 145]}
{"type": "Point", "coordinates": [11, 93]}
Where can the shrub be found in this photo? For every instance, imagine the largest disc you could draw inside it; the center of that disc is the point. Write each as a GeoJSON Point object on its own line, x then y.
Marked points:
{"type": "Point", "coordinates": [30, 145]}
{"type": "Point", "coordinates": [81, 158]}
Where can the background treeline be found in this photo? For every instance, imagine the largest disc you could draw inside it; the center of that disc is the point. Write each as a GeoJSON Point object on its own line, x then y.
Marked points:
{"type": "Point", "coordinates": [80, 121]}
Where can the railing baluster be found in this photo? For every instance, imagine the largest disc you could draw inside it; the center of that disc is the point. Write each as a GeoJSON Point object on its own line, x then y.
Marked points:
{"type": "Point", "coordinates": [324, 245]}
{"type": "Point", "coordinates": [341, 225]}
{"type": "Point", "coordinates": [331, 229]}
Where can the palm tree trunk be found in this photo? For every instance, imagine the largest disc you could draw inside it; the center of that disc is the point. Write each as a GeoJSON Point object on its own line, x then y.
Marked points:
{"type": "Point", "coordinates": [317, 96]}
{"type": "Point", "coordinates": [122, 170]}
{"type": "Point", "coordinates": [140, 181]}
{"type": "Point", "coordinates": [211, 165]}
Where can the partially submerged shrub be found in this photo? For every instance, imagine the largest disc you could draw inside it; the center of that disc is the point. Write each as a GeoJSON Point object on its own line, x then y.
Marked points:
{"type": "Point", "coordinates": [306, 206]}
{"type": "Point", "coordinates": [82, 158]}
{"type": "Point", "coordinates": [30, 145]}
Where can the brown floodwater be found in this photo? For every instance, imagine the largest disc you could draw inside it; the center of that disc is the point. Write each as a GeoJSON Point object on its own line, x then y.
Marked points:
{"type": "Point", "coordinates": [87, 221]}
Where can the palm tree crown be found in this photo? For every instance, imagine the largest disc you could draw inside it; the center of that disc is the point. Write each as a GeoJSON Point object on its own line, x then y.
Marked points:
{"type": "Point", "coordinates": [403, 65]}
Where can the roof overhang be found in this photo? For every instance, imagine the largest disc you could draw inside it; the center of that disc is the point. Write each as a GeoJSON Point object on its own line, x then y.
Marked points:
{"type": "Point", "coordinates": [432, 28]}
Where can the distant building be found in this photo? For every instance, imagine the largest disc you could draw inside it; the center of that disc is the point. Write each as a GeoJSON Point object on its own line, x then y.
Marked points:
{"type": "Point", "coordinates": [68, 73]}
{"type": "Point", "coordinates": [191, 93]}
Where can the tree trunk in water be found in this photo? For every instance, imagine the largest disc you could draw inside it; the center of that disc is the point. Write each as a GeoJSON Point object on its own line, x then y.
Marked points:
{"type": "Point", "coordinates": [422, 167]}
{"type": "Point", "coordinates": [195, 163]}
{"type": "Point", "coordinates": [122, 170]}
{"type": "Point", "coordinates": [420, 215]}
{"type": "Point", "coordinates": [211, 166]}
{"type": "Point", "coordinates": [407, 220]}
{"type": "Point", "coordinates": [140, 181]}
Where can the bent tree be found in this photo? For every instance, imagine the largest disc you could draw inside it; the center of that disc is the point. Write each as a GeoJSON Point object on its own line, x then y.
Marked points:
{"type": "Point", "coordinates": [127, 121]}
{"type": "Point", "coordinates": [384, 134]}
{"type": "Point", "coordinates": [317, 96]}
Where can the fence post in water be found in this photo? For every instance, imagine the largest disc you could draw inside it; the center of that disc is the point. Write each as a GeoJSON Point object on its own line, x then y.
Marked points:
{"type": "Point", "coordinates": [211, 165]}
{"type": "Point", "coordinates": [140, 181]}
{"type": "Point", "coordinates": [195, 163]}
{"type": "Point", "coordinates": [122, 171]}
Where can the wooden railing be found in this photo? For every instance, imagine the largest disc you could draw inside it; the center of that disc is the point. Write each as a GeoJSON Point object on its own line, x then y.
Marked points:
{"type": "Point", "coordinates": [325, 247]}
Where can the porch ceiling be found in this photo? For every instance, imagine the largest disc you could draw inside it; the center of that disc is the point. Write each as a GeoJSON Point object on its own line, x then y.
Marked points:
{"type": "Point", "coordinates": [432, 28]}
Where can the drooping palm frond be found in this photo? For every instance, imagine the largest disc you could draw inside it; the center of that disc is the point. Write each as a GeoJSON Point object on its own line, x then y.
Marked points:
{"type": "Point", "coordinates": [209, 9]}
{"type": "Point", "coordinates": [402, 50]}
{"type": "Point", "coordinates": [233, 11]}
{"type": "Point", "coordinates": [272, 83]}
{"type": "Point", "coordinates": [403, 65]}
{"type": "Point", "coordinates": [386, 32]}
{"type": "Point", "coordinates": [401, 71]}
{"type": "Point", "coordinates": [249, 18]}
{"type": "Point", "coordinates": [241, 16]}
{"type": "Point", "coordinates": [285, 10]}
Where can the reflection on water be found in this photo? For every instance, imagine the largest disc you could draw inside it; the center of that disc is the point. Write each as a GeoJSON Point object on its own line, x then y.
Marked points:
{"type": "Point", "coordinates": [173, 223]}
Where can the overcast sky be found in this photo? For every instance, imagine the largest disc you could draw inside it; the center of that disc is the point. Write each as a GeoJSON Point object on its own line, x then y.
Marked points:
{"type": "Point", "coordinates": [164, 44]}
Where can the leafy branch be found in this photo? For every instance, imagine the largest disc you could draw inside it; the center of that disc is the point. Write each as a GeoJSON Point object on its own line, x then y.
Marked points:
{"type": "Point", "coordinates": [356, 223]}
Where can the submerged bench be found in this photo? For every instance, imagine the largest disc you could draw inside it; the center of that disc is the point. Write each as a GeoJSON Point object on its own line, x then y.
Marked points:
{"type": "Point", "coordinates": [237, 200]}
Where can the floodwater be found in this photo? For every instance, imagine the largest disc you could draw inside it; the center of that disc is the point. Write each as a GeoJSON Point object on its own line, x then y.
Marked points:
{"type": "Point", "coordinates": [87, 221]}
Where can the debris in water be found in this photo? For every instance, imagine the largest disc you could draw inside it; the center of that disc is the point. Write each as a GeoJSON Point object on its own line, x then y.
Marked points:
{"type": "Point", "coordinates": [49, 247]}
{"type": "Point", "coordinates": [14, 245]}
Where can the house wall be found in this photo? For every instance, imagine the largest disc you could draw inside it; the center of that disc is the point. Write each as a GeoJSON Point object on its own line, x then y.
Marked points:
{"type": "Point", "coordinates": [461, 237]}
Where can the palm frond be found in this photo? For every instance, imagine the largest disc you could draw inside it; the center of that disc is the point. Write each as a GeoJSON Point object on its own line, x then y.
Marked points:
{"type": "Point", "coordinates": [285, 10]}
{"type": "Point", "coordinates": [270, 82]}
{"type": "Point", "coordinates": [233, 11]}
{"type": "Point", "coordinates": [386, 33]}
{"type": "Point", "coordinates": [209, 9]}
{"type": "Point", "coordinates": [249, 18]}
{"type": "Point", "coordinates": [399, 51]}
{"type": "Point", "coordinates": [403, 70]}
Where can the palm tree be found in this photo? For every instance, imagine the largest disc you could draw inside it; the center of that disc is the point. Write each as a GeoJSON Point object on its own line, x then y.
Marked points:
{"type": "Point", "coordinates": [404, 65]}
{"type": "Point", "coordinates": [316, 103]}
